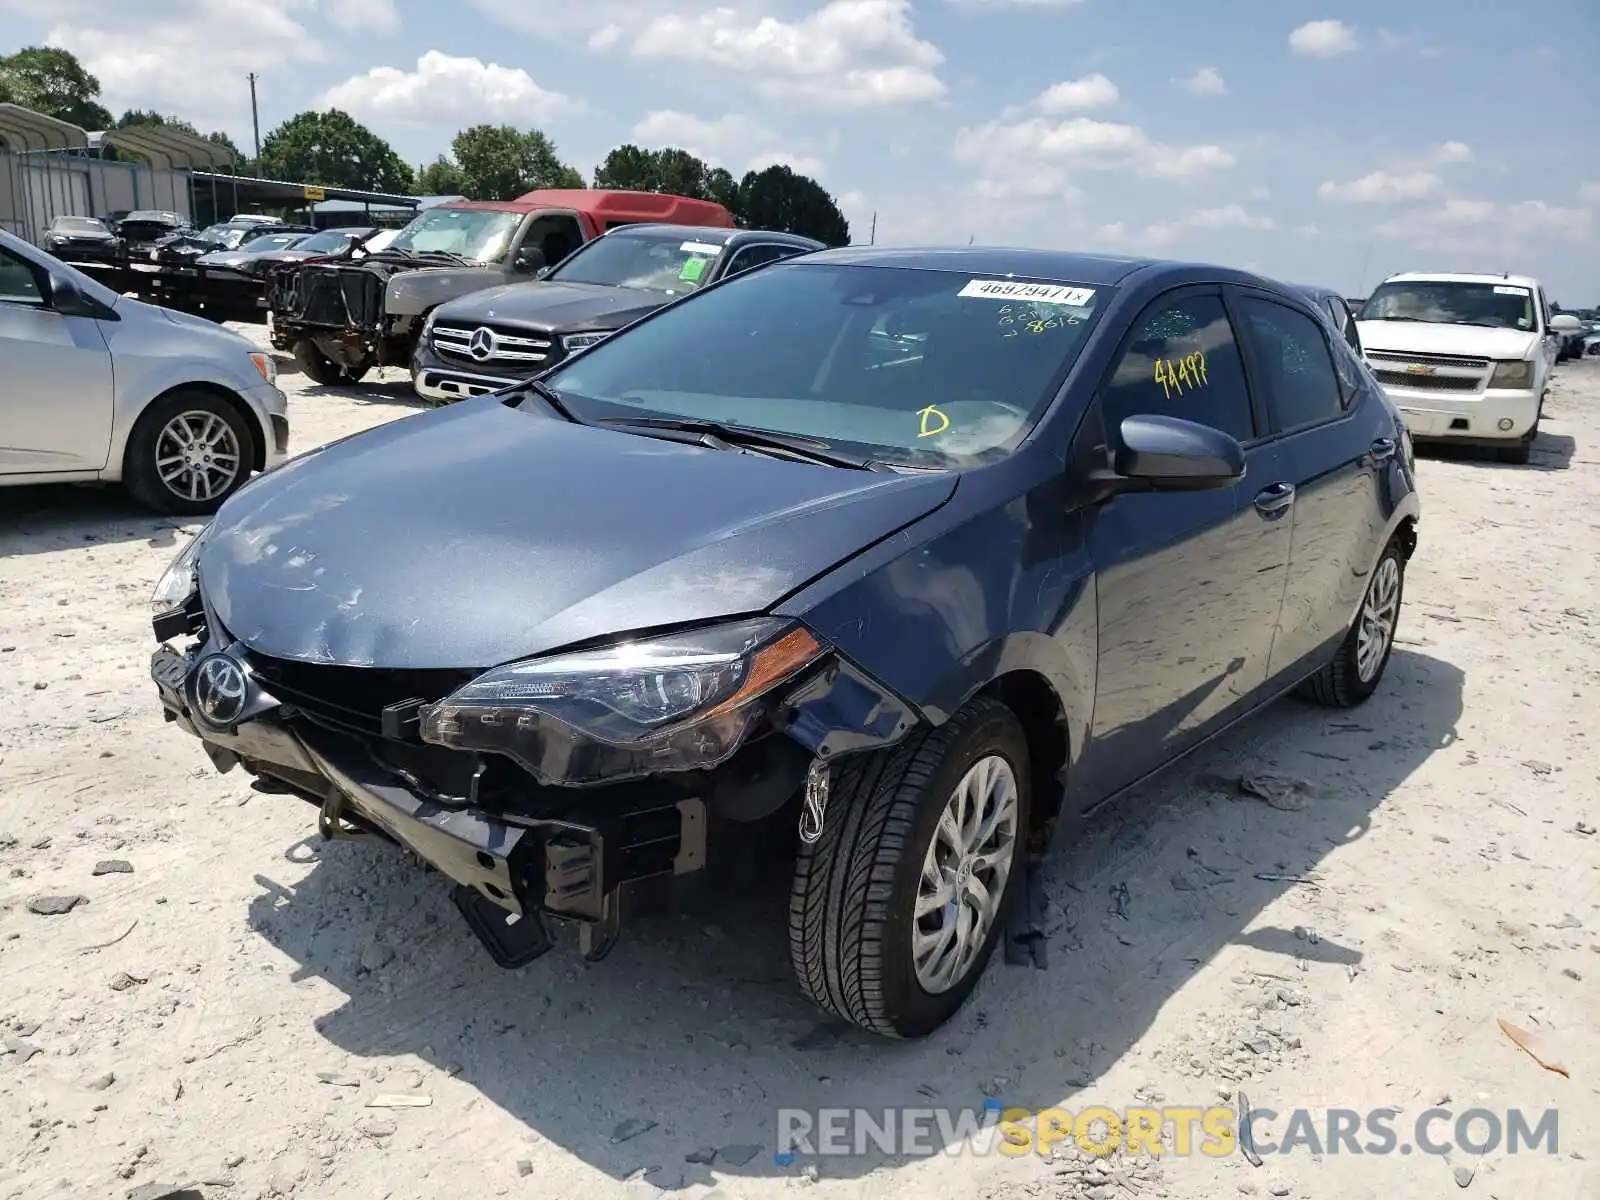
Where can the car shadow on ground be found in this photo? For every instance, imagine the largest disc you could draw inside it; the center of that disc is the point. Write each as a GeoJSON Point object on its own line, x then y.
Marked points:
{"type": "Point", "coordinates": [694, 1022]}
{"type": "Point", "coordinates": [50, 517]}
{"type": "Point", "coordinates": [1551, 452]}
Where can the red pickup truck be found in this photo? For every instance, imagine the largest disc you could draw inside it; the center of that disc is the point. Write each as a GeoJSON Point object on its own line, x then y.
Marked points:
{"type": "Point", "coordinates": [343, 315]}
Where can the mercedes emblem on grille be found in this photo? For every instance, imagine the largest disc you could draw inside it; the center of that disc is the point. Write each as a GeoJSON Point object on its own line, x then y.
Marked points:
{"type": "Point", "coordinates": [219, 690]}
{"type": "Point", "coordinates": [481, 344]}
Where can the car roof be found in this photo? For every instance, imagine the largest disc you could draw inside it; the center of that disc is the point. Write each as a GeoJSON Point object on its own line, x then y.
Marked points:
{"type": "Point", "coordinates": [710, 234]}
{"type": "Point", "coordinates": [1319, 294]}
{"type": "Point", "coordinates": [1056, 266]}
{"type": "Point", "coordinates": [1527, 281]}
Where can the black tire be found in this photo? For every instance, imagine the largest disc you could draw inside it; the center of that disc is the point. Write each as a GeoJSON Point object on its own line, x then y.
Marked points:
{"type": "Point", "coordinates": [1339, 683]}
{"type": "Point", "coordinates": [141, 474]}
{"type": "Point", "coordinates": [853, 899]}
{"type": "Point", "coordinates": [322, 369]}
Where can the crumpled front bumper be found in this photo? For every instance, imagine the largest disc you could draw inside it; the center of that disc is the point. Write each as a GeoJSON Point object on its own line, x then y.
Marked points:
{"type": "Point", "coordinates": [572, 870]}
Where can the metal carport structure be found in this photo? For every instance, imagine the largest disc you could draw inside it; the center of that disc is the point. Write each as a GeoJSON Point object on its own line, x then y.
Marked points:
{"type": "Point", "coordinates": [162, 148]}
{"type": "Point", "coordinates": [24, 133]}
{"type": "Point", "coordinates": [281, 193]}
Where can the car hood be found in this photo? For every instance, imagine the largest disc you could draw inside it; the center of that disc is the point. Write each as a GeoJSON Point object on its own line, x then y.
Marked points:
{"type": "Point", "coordinates": [476, 534]}
{"type": "Point", "coordinates": [1427, 338]}
{"type": "Point", "coordinates": [224, 258]}
{"type": "Point", "coordinates": [554, 305]}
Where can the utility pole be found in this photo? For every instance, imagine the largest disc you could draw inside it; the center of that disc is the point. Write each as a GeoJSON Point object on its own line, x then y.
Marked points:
{"type": "Point", "coordinates": [255, 118]}
{"type": "Point", "coordinates": [872, 238]}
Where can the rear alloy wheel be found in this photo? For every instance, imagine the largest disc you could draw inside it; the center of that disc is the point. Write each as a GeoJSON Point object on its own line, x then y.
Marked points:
{"type": "Point", "coordinates": [897, 907]}
{"type": "Point", "coordinates": [1357, 668]}
{"type": "Point", "coordinates": [188, 453]}
{"type": "Point", "coordinates": [322, 369]}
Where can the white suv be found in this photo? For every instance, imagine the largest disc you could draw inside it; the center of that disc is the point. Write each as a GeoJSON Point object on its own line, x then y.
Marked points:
{"type": "Point", "coordinates": [1466, 358]}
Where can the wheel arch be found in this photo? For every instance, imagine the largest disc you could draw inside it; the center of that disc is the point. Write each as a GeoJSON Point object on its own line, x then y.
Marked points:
{"type": "Point", "coordinates": [258, 436]}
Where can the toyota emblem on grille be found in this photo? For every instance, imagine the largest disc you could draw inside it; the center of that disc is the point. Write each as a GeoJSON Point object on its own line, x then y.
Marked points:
{"type": "Point", "coordinates": [481, 344]}
{"type": "Point", "coordinates": [219, 689]}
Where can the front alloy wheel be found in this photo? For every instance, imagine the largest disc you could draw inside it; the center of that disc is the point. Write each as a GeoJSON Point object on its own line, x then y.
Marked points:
{"type": "Point", "coordinates": [896, 908]}
{"type": "Point", "coordinates": [964, 874]}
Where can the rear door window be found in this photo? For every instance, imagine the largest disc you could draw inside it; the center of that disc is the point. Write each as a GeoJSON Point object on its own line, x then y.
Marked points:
{"type": "Point", "coordinates": [1182, 361]}
{"type": "Point", "coordinates": [1291, 352]}
{"type": "Point", "coordinates": [751, 257]}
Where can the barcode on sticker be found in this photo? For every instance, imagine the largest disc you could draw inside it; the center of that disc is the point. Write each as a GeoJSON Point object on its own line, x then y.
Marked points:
{"type": "Point", "coordinates": [700, 248]}
{"type": "Point", "coordinates": [1510, 291]}
{"type": "Point", "coordinates": [1038, 293]}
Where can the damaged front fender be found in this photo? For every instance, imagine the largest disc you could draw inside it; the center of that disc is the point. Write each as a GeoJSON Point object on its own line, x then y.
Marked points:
{"type": "Point", "coordinates": [843, 710]}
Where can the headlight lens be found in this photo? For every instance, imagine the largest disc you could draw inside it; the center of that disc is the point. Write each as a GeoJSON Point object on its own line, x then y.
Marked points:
{"type": "Point", "coordinates": [1516, 374]}
{"type": "Point", "coordinates": [578, 341]}
{"type": "Point", "coordinates": [266, 364]}
{"type": "Point", "coordinates": [180, 580]}
{"type": "Point", "coordinates": [427, 322]}
{"type": "Point", "coordinates": [680, 702]}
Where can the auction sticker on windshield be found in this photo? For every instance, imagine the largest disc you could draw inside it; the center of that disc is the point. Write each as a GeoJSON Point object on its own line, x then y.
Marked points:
{"type": "Point", "coordinates": [700, 248]}
{"type": "Point", "coordinates": [1510, 291]}
{"type": "Point", "coordinates": [1042, 293]}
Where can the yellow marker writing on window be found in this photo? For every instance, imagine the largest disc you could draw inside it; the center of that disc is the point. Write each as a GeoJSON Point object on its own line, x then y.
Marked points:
{"type": "Point", "coordinates": [933, 421]}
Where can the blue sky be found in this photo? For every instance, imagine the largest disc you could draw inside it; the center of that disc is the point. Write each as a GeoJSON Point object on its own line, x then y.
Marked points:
{"type": "Point", "coordinates": [1327, 142]}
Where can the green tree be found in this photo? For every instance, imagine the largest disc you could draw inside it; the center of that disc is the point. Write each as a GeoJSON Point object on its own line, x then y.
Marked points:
{"type": "Point", "coordinates": [778, 198]}
{"type": "Point", "coordinates": [721, 187]}
{"type": "Point", "coordinates": [441, 177]}
{"type": "Point", "coordinates": [628, 169]}
{"type": "Point", "coordinates": [500, 162]}
{"type": "Point", "coordinates": [55, 83]}
{"type": "Point", "coordinates": [333, 149]}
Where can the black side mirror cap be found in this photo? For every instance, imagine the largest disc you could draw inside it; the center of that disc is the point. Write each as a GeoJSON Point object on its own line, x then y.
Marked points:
{"type": "Point", "coordinates": [1171, 454]}
{"type": "Point", "coordinates": [67, 298]}
{"type": "Point", "coordinates": [530, 259]}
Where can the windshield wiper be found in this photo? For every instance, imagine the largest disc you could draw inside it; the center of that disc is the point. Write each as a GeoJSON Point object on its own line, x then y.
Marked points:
{"type": "Point", "coordinates": [727, 437]}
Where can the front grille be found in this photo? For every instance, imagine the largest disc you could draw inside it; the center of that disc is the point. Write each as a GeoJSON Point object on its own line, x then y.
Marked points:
{"type": "Point", "coordinates": [513, 347]}
{"type": "Point", "coordinates": [1468, 362]}
{"type": "Point", "coordinates": [1430, 383]}
{"type": "Point", "coordinates": [350, 699]}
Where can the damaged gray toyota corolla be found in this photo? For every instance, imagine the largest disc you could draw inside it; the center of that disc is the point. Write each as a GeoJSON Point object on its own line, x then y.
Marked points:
{"type": "Point", "coordinates": [846, 549]}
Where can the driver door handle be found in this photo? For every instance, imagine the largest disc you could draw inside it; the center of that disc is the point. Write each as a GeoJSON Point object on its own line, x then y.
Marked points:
{"type": "Point", "coordinates": [1274, 499]}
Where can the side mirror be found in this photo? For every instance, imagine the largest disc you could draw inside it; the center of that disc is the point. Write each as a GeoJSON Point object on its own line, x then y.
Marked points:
{"type": "Point", "coordinates": [1565, 323]}
{"type": "Point", "coordinates": [530, 259]}
{"type": "Point", "coordinates": [1171, 454]}
{"type": "Point", "coordinates": [67, 298]}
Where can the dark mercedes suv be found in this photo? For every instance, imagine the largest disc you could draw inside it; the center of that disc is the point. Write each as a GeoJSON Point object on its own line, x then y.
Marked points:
{"type": "Point", "coordinates": [917, 557]}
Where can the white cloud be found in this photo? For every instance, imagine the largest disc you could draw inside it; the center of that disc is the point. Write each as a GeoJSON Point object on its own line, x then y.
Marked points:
{"type": "Point", "coordinates": [1452, 152]}
{"type": "Point", "coordinates": [1382, 187]}
{"type": "Point", "coordinates": [145, 52]}
{"type": "Point", "coordinates": [846, 54]}
{"type": "Point", "coordinates": [1092, 91]}
{"type": "Point", "coordinates": [1308, 231]}
{"type": "Point", "coordinates": [1323, 39]}
{"type": "Point", "coordinates": [1162, 234]}
{"type": "Point", "coordinates": [448, 92]}
{"type": "Point", "coordinates": [1590, 191]}
{"type": "Point", "coordinates": [368, 16]}
{"type": "Point", "coordinates": [1207, 81]}
{"type": "Point", "coordinates": [1044, 149]}
{"type": "Point", "coordinates": [735, 142]}
{"type": "Point", "coordinates": [1487, 226]}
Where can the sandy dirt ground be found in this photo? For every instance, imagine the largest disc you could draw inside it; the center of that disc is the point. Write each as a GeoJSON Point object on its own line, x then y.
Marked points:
{"type": "Point", "coordinates": [234, 994]}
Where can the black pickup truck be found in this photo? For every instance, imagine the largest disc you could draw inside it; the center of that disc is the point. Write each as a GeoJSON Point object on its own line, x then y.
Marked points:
{"type": "Point", "coordinates": [494, 338]}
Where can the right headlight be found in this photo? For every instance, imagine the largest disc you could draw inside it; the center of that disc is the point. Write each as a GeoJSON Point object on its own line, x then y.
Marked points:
{"type": "Point", "coordinates": [180, 580]}
{"type": "Point", "coordinates": [678, 702]}
{"type": "Point", "coordinates": [1518, 374]}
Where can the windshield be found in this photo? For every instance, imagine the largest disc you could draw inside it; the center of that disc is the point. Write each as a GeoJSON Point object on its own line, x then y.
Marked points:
{"type": "Point", "coordinates": [666, 262]}
{"type": "Point", "coordinates": [472, 233]}
{"type": "Point", "coordinates": [155, 218]}
{"type": "Point", "coordinates": [916, 368]}
{"type": "Point", "coordinates": [273, 241]}
{"type": "Point", "coordinates": [330, 242]}
{"type": "Point", "coordinates": [79, 225]}
{"type": "Point", "coordinates": [1497, 306]}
